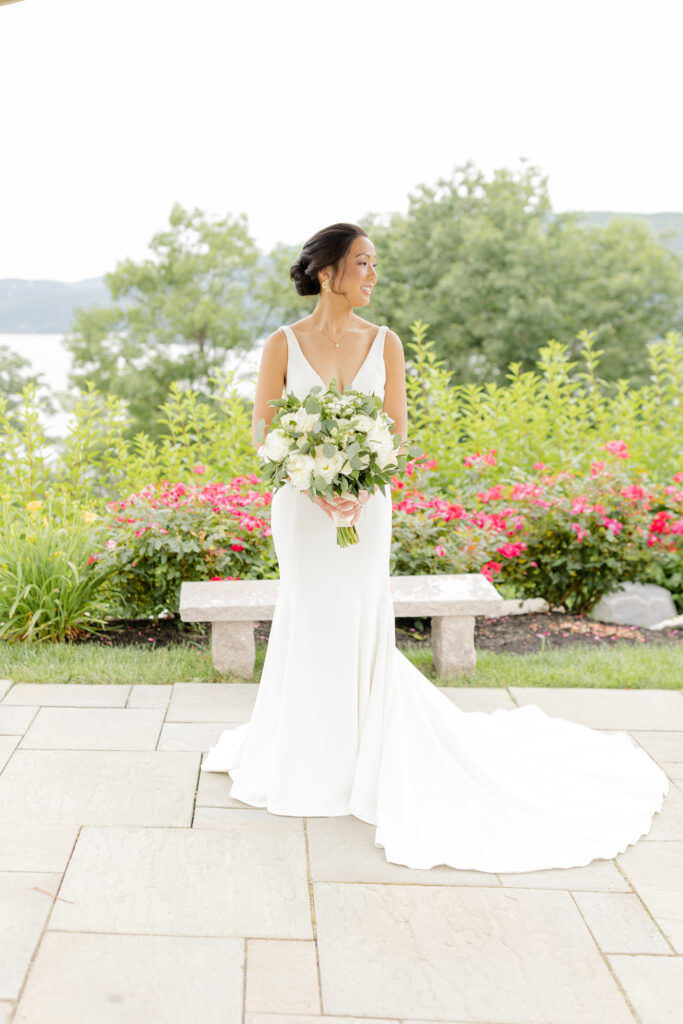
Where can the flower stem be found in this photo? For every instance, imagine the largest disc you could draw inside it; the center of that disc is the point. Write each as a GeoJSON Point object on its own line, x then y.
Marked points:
{"type": "Point", "coordinates": [346, 535]}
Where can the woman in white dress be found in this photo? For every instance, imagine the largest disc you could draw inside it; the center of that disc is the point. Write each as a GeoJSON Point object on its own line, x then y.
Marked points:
{"type": "Point", "coordinates": [343, 723]}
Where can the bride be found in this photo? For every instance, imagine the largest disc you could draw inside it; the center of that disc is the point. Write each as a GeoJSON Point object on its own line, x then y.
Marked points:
{"type": "Point", "coordinates": [343, 722]}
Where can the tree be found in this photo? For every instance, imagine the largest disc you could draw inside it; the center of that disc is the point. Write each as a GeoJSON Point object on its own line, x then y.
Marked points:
{"type": "Point", "coordinates": [179, 313]}
{"type": "Point", "coordinates": [496, 275]}
{"type": "Point", "coordinates": [14, 378]}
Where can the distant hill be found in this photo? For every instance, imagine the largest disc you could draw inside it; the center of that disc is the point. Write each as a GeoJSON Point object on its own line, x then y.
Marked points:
{"type": "Point", "coordinates": [47, 307]}
{"type": "Point", "coordinates": [662, 224]}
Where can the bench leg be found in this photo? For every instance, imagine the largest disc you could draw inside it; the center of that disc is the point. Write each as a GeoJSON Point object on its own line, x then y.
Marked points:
{"type": "Point", "coordinates": [232, 647]}
{"type": "Point", "coordinates": [453, 644]}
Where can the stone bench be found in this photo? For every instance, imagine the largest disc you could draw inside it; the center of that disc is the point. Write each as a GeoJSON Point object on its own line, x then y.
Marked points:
{"type": "Point", "coordinates": [451, 602]}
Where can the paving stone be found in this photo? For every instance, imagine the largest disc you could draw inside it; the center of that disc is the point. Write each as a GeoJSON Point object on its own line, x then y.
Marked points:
{"type": "Point", "coordinates": [199, 736]}
{"type": "Point", "coordinates": [620, 923]}
{"type": "Point", "coordinates": [23, 911]}
{"type": "Point", "coordinates": [139, 979]}
{"type": "Point", "coordinates": [36, 847]}
{"type": "Point", "coordinates": [8, 745]}
{"type": "Point", "coordinates": [4, 686]}
{"type": "Point", "coordinates": [452, 953]}
{"type": "Point", "coordinates": [295, 1018]}
{"type": "Point", "coordinates": [99, 787]}
{"type": "Point", "coordinates": [14, 721]}
{"type": "Point", "coordinates": [211, 702]}
{"type": "Point", "coordinates": [342, 849]}
{"type": "Point", "coordinates": [255, 818]}
{"type": "Point", "coordinates": [75, 695]}
{"type": "Point", "coordinates": [662, 746]}
{"type": "Point", "coordinates": [653, 984]}
{"type": "Point", "coordinates": [607, 709]}
{"type": "Point", "coordinates": [187, 882]}
{"type": "Point", "coordinates": [478, 698]}
{"type": "Point", "coordinates": [674, 769]}
{"type": "Point", "coordinates": [602, 875]}
{"type": "Point", "coordinates": [94, 729]}
{"type": "Point", "coordinates": [656, 871]}
{"type": "Point", "coordinates": [149, 695]}
{"type": "Point", "coordinates": [668, 824]}
{"type": "Point", "coordinates": [214, 791]}
{"type": "Point", "coordinates": [282, 977]}
{"type": "Point", "coordinates": [6, 1010]}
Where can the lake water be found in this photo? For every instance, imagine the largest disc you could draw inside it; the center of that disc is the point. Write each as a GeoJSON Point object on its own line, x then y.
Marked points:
{"type": "Point", "coordinates": [49, 356]}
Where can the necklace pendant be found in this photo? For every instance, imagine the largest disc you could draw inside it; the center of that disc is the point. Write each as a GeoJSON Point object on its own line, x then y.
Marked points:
{"type": "Point", "coordinates": [336, 344]}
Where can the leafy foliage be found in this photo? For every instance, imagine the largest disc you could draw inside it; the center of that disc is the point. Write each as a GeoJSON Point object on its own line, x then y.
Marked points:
{"type": "Point", "coordinates": [48, 591]}
{"type": "Point", "coordinates": [168, 533]}
{"type": "Point", "coordinates": [180, 313]}
{"type": "Point", "coordinates": [496, 274]}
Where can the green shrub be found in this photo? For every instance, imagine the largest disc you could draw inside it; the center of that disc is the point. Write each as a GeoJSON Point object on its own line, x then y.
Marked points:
{"type": "Point", "coordinates": [48, 591]}
{"type": "Point", "coordinates": [168, 533]}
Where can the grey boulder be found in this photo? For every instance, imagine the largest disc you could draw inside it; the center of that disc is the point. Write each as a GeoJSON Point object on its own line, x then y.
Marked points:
{"type": "Point", "coordinates": [636, 604]}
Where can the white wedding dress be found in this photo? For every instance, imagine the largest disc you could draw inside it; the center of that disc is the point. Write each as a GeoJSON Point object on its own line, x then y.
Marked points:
{"type": "Point", "coordinates": [344, 724]}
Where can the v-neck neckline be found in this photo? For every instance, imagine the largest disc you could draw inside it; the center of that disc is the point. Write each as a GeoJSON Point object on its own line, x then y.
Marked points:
{"type": "Point", "coordinates": [358, 373]}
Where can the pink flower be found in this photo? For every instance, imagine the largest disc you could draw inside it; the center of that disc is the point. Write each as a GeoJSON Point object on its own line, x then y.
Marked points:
{"type": "Point", "coordinates": [440, 550]}
{"type": "Point", "coordinates": [618, 448]}
{"type": "Point", "coordinates": [633, 492]}
{"type": "Point", "coordinates": [600, 509]}
{"type": "Point", "coordinates": [212, 578]}
{"type": "Point", "coordinates": [678, 478]}
{"type": "Point", "coordinates": [490, 568]}
{"type": "Point", "coordinates": [613, 525]}
{"type": "Point", "coordinates": [540, 466]}
{"type": "Point", "coordinates": [487, 457]}
{"type": "Point", "coordinates": [494, 494]}
{"type": "Point", "coordinates": [579, 504]}
{"type": "Point", "coordinates": [236, 546]}
{"type": "Point", "coordinates": [597, 468]}
{"type": "Point", "coordinates": [509, 550]}
{"type": "Point", "coordinates": [111, 544]}
{"type": "Point", "coordinates": [580, 532]}
{"type": "Point", "coordinates": [199, 470]}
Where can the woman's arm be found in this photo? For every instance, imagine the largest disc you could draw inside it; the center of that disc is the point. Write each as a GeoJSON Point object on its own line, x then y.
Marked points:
{"type": "Point", "coordinates": [271, 380]}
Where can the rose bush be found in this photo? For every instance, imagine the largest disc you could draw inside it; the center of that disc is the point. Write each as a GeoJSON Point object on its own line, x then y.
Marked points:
{"type": "Point", "coordinates": [567, 537]}
{"type": "Point", "coordinates": [170, 532]}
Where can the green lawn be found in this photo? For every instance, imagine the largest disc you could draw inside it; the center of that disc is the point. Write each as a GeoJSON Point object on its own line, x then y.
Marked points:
{"type": "Point", "coordinates": [624, 666]}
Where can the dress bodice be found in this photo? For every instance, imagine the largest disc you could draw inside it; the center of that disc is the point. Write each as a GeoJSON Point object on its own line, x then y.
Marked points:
{"type": "Point", "coordinates": [301, 376]}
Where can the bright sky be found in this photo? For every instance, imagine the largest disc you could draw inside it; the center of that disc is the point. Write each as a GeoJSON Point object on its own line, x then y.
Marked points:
{"type": "Point", "coordinates": [302, 113]}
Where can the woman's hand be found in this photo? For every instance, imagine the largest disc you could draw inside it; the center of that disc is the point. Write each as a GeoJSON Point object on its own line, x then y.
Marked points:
{"type": "Point", "coordinates": [347, 505]}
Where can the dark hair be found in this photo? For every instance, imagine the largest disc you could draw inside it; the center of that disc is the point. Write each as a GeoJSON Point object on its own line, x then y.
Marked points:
{"type": "Point", "coordinates": [323, 249]}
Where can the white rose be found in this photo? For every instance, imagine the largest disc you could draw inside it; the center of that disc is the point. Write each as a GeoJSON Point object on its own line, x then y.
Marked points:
{"type": "Point", "coordinates": [378, 436]}
{"type": "Point", "coordinates": [328, 468]}
{"type": "Point", "coordinates": [275, 446]}
{"type": "Point", "coordinates": [362, 422]}
{"type": "Point", "coordinates": [300, 470]}
{"type": "Point", "coordinates": [288, 420]}
{"type": "Point", "coordinates": [306, 420]}
{"type": "Point", "coordinates": [386, 456]}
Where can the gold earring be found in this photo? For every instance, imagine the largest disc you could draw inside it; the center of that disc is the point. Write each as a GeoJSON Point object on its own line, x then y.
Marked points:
{"type": "Point", "coordinates": [326, 285]}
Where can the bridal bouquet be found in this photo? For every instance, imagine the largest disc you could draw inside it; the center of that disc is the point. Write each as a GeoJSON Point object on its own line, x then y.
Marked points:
{"type": "Point", "coordinates": [332, 444]}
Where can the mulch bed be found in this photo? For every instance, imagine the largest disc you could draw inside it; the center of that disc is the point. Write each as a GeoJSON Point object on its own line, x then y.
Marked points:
{"type": "Point", "coordinates": [513, 634]}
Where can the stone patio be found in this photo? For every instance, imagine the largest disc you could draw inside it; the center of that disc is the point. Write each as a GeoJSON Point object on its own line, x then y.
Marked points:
{"type": "Point", "coordinates": [134, 890]}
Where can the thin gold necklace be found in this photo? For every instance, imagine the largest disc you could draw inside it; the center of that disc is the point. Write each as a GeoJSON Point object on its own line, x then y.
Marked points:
{"type": "Point", "coordinates": [320, 328]}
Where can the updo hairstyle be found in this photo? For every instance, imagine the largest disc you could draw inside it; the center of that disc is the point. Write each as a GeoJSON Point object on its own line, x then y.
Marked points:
{"type": "Point", "coordinates": [323, 249]}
